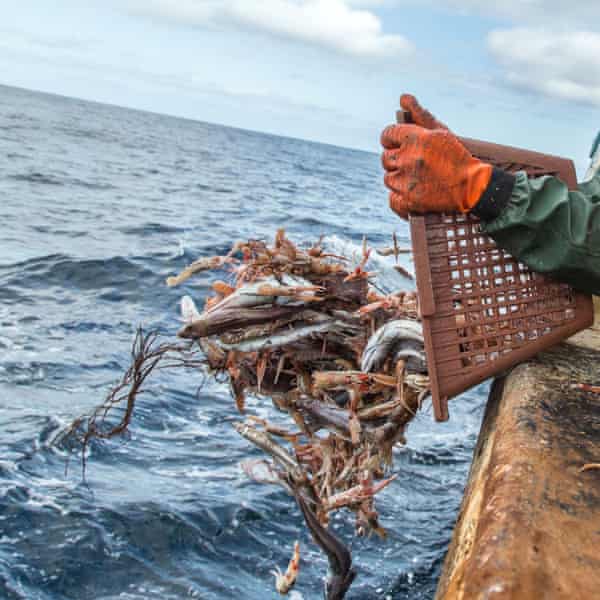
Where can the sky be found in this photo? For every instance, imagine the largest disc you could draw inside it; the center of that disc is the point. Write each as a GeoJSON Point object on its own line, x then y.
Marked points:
{"type": "Point", "coordinates": [526, 73]}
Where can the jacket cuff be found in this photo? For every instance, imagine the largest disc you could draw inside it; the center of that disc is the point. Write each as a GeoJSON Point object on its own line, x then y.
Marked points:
{"type": "Point", "coordinates": [496, 195]}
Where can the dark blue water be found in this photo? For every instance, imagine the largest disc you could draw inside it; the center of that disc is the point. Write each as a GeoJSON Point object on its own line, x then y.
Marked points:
{"type": "Point", "coordinates": [98, 205]}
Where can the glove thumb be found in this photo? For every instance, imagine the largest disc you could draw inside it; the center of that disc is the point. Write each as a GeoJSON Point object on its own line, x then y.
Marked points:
{"type": "Point", "coordinates": [419, 115]}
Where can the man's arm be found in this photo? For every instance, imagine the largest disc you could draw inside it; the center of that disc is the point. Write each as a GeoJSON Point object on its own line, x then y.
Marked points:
{"type": "Point", "coordinates": [540, 222]}
{"type": "Point", "coordinates": [549, 228]}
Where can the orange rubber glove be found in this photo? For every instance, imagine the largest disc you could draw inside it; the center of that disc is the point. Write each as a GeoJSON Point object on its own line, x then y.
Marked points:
{"type": "Point", "coordinates": [428, 169]}
{"type": "Point", "coordinates": [419, 116]}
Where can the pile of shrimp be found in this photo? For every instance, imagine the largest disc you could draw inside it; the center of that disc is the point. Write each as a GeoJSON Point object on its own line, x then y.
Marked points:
{"type": "Point", "coordinates": [342, 363]}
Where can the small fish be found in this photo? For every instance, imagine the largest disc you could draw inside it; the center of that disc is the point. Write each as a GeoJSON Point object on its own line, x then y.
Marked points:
{"type": "Point", "coordinates": [284, 582]}
{"type": "Point", "coordinates": [290, 290]}
{"type": "Point", "coordinates": [265, 442]}
{"type": "Point", "coordinates": [383, 342]}
{"type": "Point", "coordinates": [277, 340]}
{"type": "Point", "coordinates": [413, 354]}
{"type": "Point", "coordinates": [341, 573]}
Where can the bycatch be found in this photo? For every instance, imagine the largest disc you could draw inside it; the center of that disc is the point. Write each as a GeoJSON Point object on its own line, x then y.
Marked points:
{"type": "Point", "coordinates": [341, 573]}
{"type": "Point", "coordinates": [283, 337]}
{"type": "Point", "coordinates": [413, 354]}
{"type": "Point", "coordinates": [385, 340]}
{"type": "Point", "coordinates": [269, 290]}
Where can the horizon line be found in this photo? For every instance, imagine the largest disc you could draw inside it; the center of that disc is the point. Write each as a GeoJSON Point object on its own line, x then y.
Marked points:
{"type": "Point", "coordinates": [186, 118]}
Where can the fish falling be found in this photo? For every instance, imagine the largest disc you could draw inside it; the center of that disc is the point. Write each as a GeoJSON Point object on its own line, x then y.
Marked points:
{"type": "Point", "coordinates": [343, 362]}
{"type": "Point", "coordinates": [346, 363]}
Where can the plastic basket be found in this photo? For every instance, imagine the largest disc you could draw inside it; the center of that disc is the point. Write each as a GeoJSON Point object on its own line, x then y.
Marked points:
{"type": "Point", "coordinates": [483, 311]}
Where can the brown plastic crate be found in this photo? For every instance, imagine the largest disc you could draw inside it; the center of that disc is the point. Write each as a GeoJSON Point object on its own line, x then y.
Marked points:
{"type": "Point", "coordinates": [483, 311]}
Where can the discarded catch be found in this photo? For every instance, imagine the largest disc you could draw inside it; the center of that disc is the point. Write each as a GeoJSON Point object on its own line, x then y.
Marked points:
{"type": "Point", "coordinates": [287, 290]}
{"type": "Point", "coordinates": [386, 338]}
{"type": "Point", "coordinates": [412, 353]}
{"type": "Point", "coordinates": [289, 336]}
{"type": "Point", "coordinates": [284, 582]}
{"type": "Point", "coordinates": [589, 467]}
{"type": "Point", "coordinates": [344, 364]}
{"type": "Point", "coordinates": [203, 264]}
{"type": "Point", "coordinates": [395, 250]}
{"type": "Point", "coordinates": [341, 573]}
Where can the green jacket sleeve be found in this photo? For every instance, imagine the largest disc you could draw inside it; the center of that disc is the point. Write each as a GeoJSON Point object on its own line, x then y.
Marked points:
{"type": "Point", "coordinates": [552, 230]}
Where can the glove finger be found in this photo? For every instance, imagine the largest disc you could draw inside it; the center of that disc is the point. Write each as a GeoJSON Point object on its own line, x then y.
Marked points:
{"type": "Point", "coordinates": [420, 115]}
{"type": "Point", "coordinates": [400, 136]}
{"type": "Point", "coordinates": [394, 159]}
{"type": "Point", "coordinates": [397, 180]}
{"type": "Point", "coordinates": [398, 205]}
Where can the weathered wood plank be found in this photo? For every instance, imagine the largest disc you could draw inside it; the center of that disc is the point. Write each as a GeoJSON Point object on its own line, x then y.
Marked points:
{"type": "Point", "coordinates": [529, 525]}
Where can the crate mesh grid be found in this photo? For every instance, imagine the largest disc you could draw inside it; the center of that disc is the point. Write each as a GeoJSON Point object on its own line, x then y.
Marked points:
{"type": "Point", "coordinates": [483, 311]}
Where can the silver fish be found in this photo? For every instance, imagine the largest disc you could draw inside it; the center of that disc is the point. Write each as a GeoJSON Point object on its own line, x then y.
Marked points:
{"type": "Point", "coordinates": [286, 336]}
{"type": "Point", "coordinates": [413, 354]}
{"type": "Point", "coordinates": [279, 454]}
{"type": "Point", "coordinates": [248, 296]}
{"type": "Point", "coordinates": [383, 342]}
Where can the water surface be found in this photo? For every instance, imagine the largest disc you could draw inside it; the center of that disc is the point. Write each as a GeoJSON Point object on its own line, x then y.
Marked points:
{"type": "Point", "coordinates": [99, 205]}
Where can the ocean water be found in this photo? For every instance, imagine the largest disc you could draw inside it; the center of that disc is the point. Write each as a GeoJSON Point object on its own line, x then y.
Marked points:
{"type": "Point", "coordinates": [98, 205]}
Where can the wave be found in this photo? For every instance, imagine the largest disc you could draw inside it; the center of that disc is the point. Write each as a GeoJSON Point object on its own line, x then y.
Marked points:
{"type": "Point", "coordinates": [48, 179]}
{"type": "Point", "coordinates": [87, 274]}
{"type": "Point", "coordinates": [37, 177]}
{"type": "Point", "coordinates": [166, 510]}
{"type": "Point", "coordinates": [151, 229]}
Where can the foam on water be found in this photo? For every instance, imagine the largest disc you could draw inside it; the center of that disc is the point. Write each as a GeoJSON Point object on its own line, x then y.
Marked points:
{"type": "Point", "coordinates": [387, 278]}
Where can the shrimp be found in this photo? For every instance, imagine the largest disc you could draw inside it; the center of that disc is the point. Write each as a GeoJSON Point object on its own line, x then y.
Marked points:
{"type": "Point", "coordinates": [202, 264]}
{"type": "Point", "coordinates": [358, 493]}
{"type": "Point", "coordinates": [284, 582]}
{"type": "Point", "coordinates": [360, 272]}
{"type": "Point", "coordinates": [401, 301]}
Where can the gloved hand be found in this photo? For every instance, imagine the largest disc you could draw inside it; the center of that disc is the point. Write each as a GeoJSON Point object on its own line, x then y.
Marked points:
{"type": "Point", "coordinates": [427, 168]}
{"type": "Point", "coordinates": [419, 116]}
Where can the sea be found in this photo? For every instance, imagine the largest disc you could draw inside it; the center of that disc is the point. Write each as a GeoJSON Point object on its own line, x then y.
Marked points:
{"type": "Point", "coordinates": [98, 205]}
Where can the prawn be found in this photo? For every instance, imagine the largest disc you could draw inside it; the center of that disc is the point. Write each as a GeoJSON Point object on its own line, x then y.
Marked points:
{"type": "Point", "coordinates": [284, 582]}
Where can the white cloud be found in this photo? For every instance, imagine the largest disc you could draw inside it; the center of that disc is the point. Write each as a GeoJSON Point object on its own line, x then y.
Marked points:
{"type": "Point", "coordinates": [583, 13]}
{"type": "Point", "coordinates": [553, 47]}
{"type": "Point", "coordinates": [564, 65]}
{"type": "Point", "coordinates": [346, 26]}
